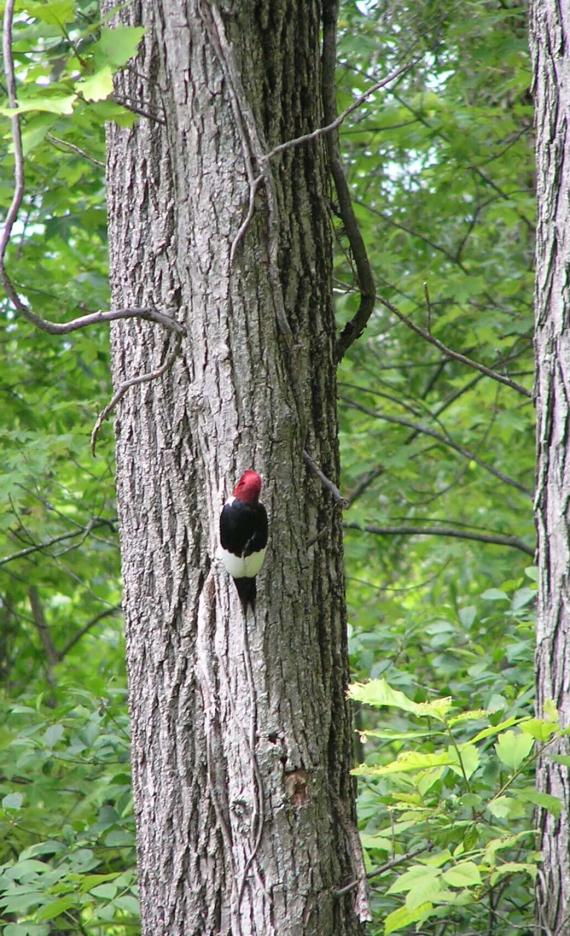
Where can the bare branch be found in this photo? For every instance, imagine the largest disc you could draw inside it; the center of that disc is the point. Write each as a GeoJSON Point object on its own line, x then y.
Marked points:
{"type": "Point", "coordinates": [87, 627]}
{"type": "Point", "coordinates": [494, 540]}
{"type": "Point", "coordinates": [444, 439]}
{"type": "Point", "coordinates": [382, 869]}
{"type": "Point", "coordinates": [53, 328]}
{"type": "Point", "coordinates": [366, 285]}
{"type": "Point", "coordinates": [335, 124]}
{"type": "Point", "coordinates": [133, 382]}
{"type": "Point", "coordinates": [39, 547]}
{"type": "Point", "coordinates": [65, 145]}
{"type": "Point", "coordinates": [454, 355]}
{"type": "Point", "coordinates": [40, 621]}
{"type": "Point", "coordinates": [326, 482]}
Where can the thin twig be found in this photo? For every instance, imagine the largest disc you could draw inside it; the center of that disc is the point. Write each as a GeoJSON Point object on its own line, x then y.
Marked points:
{"type": "Point", "coordinates": [494, 540]}
{"type": "Point", "coordinates": [87, 627]}
{"type": "Point", "coordinates": [444, 439]}
{"type": "Point", "coordinates": [382, 869]}
{"type": "Point", "coordinates": [137, 109]}
{"type": "Point", "coordinates": [455, 355]}
{"type": "Point", "coordinates": [72, 148]}
{"type": "Point", "coordinates": [39, 547]}
{"type": "Point", "coordinates": [53, 328]}
{"type": "Point", "coordinates": [133, 382]}
{"type": "Point", "coordinates": [335, 124]}
{"type": "Point", "coordinates": [326, 482]}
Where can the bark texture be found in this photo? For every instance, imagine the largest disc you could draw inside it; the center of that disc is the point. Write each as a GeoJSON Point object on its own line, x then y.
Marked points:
{"type": "Point", "coordinates": [241, 732]}
{"type": "Point", "coordinates": [550, 46]}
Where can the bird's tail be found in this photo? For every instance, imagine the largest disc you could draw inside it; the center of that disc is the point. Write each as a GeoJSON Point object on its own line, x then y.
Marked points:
{"type": "Point", "coordinates": [246, 591]}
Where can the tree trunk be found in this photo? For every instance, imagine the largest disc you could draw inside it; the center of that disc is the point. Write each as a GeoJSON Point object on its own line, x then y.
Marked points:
{"type": "Point", "coordinates": [241, 732]}
{"type": "Point", "coordinates": [550, 45]}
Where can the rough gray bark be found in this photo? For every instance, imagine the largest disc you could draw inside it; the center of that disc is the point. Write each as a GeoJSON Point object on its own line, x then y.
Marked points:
{"type": "Point", "coordinates": [550, 45]}
{"type": "Point", "coordinates": [241, 734]}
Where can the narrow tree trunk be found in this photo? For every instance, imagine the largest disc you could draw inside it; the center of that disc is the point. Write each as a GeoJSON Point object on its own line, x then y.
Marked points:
{"type": "Point", "coordinates": [550, 44]}
{"type": "Point", "coordinates": [241, 732]}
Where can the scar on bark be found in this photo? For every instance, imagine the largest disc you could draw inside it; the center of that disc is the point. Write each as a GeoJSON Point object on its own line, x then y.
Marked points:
{"type": "Point", "coordinates": [296, 787]}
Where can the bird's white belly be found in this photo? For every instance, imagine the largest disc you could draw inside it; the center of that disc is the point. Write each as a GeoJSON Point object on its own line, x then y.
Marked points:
{"type": "Point", "coordinates": [242, 566]}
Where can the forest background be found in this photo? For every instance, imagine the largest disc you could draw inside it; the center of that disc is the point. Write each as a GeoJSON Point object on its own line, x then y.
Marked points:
{"type": "Point", "coordinates": [437, 466]}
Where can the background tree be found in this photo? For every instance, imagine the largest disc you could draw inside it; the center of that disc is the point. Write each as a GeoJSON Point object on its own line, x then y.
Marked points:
{"type": "Point", "coordinates": [550, 35]}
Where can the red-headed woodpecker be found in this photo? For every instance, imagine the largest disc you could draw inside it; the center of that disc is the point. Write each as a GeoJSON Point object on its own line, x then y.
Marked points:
{"type": "Point", "coordinates": [243, 535]}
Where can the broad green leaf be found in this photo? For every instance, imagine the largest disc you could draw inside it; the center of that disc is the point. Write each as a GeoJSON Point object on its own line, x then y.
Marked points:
{"type": "Point", "coordinates": [55, 908]}
{"type": "Point", "coordinates": [495, 729]}
{"type": "Point", "coordinates": [377, 692]}
{"type": "Point", "coordinates": [494, 594]}
{"type": "Point", "coordinates": [53, 734]}
{"type": "Point", "coordinates": [98, 87]}
{"type": "Point", "coordinates": [563, 759]}
{"type": "Point", "coordinates": [539, 729]}
{"type": "Point", "coordinates": [473, 715]}
{"type": "Point", "coordinates": [117, 45]}
{"type": "Point", "coordinates": [513, 867]}
{"type": "Point", "coordinates": [53, 104]}
{"type": "Point", "coordinates": [404, 916]}
{"type": "Point", "coordinates": [410, 878]}
{"type": "Point", "coordinates": [506, 807]}
{"type": "Point", "coordinates": [425, 889]}
{"type": "Point", "coordinates": [382, 843]}
{"type": "Point", "coordinates": [465, 874]}
{"type": "Point", "coordinates": [513, 747]}
{"type": "Point", "coordinates": [545, 800]}
{"type": "Point", "coordinates": [55, 13]}
{"type": "Point", "coordinates": [467, 757]}
{"type": "Point", "coordinates": [407, 761]}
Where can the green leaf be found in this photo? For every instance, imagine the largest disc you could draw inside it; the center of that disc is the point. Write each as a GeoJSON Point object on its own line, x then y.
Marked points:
{"type": "Point", "coordinates": [506, 807]}
{"type": "Point", "coordinates": [55, 13]}
{"type": "Point", "coordinates": [469, 756]}
{"type": "Point", "coordinates": [495, 729]}
{"type": "Point", "coordinates": [98, 87]}
{"type": "Point", "coordinates": [539, 728]}
{"type": "Point", "coordinates": [403, 916]}
{"type": "Point", "coordinates": [513, 867]}
{"type": "Point", "coordinates": [563, 759]}
{"type": "Point", "coordinates": [55, 908]}
{"type": "Point", "coordinates": [513, 747]}
{"type": "Point", "coordinates": [494, 594]}
{"type": "Point", "coordinates": [116, 46]}
{"type": "Point", "coordinates": [410, 878]}
{"type": "Point", "coordinates": [465, 874]}
{"type": "Point", "coordinates": [377, 692]}
{"type": "Point", "coordinates": [53, 104]}
{"type": "Point", "coordinates": [545, 800]}
{"type": "Point", "coordinates": [53, 734]}
{"type": "Point", "coordinates": [407, 761]}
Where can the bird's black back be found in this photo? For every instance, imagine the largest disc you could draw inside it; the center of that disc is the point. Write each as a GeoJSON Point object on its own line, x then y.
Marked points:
{"type": "Point", "coordinates": [243, 527]}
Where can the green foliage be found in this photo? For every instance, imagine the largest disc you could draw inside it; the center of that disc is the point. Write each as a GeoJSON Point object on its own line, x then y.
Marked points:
{"type": "Point", "coordinates": [441, 628]}
{"type": "Point", "coordinates": [66, 822]}
{"type": "Point", "coordinates": [67, 856]}
{"type": "Point", "coordinates": [448, 809]}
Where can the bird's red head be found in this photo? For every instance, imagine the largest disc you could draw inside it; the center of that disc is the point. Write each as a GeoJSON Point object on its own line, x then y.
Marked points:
{"type": "Point", "coordinates": [248, 487]}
